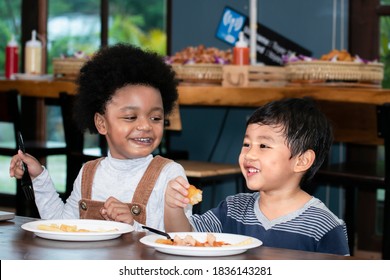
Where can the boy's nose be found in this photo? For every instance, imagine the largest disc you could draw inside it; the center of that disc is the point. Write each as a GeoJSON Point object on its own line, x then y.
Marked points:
{"type": "Point", "coordinates": [250, 155]}
{"type": "Point", "coordinates": [143, 125]}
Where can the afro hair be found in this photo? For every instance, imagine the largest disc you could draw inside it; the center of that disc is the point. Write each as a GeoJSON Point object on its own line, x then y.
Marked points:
{"type": "Point", "coordinates": [115, 67]}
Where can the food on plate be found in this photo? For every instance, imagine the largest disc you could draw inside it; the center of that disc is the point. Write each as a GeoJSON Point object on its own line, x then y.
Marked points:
{"type": "Point", "coordinates": [69, 228]}
{"type": "Point", "coordinates": [189, 240]}
{"type": "Point", "coordinates": [244, 242]}
{"type": "Point", "coordinates": [194, 195]}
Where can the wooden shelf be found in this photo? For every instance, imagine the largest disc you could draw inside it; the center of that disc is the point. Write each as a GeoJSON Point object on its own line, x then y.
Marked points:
{"type": "Point", "coordinates": [352, 110]}
{"type": "Point", "coordinates": [223, 96]}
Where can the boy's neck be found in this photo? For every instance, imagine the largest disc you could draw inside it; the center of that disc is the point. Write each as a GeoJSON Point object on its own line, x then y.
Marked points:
{"type": "Point", "coordinates": [275, 204]}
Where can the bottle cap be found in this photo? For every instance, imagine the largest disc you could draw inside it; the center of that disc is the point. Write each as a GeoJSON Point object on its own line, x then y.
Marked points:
{"type": "Point", "coordinates": [34, 42]}
{"type": "Point", "coordinates": [13, 42]}
{"type": "Point", "coordinates": [241, 43]}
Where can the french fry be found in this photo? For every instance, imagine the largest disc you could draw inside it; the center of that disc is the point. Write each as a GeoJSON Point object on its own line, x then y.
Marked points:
{"type": "Point", "coordinates": [51, 227]}
{"type": "Point", "coordinates": [242, 243]}
{"type": "Point", "coordinates": [70, 228]}
{"type": "Point", "coordinates": [194, 195]}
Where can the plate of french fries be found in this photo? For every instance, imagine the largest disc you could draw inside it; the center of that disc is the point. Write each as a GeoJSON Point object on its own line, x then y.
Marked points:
{"type": "Point", "coordinates": [77, 229]}
{"type": "Point", "coordinates": [201, 244]}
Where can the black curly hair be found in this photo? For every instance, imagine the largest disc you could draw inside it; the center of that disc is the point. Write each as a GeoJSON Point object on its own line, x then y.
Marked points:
{"type": "Point", "coordinates": [304, 126]}
{"type": "Point", "coordinates": [114, 67]}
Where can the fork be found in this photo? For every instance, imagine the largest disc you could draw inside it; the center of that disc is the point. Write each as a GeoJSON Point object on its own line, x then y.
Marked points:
{"type": "Point", "coordinates": [163, 233]}
{"type": "Point", "coordinates": [25, 181]}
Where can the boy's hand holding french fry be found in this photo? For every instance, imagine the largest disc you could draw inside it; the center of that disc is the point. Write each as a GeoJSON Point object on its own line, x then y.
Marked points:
{"type": "Point", "coordinates": [180, 193]}
{"type": "Point", "coordinates": [177, 197]}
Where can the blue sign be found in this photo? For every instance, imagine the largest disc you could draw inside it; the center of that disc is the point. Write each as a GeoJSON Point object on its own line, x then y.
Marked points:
{"type": "Point", "coordinates": [270, 46]}
{"type": "Point", "coordinates": [230, 26]}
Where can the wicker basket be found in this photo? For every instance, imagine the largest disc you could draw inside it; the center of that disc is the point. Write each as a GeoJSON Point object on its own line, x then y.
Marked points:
{"type": "Point", "coordinates": [67, 68]}
{"type": "Point", "coordinates": [253, 76]}
{"type": "Point", "coordinates": [335, 71]}
{"type": "Point", "coordinates": [199, 73]}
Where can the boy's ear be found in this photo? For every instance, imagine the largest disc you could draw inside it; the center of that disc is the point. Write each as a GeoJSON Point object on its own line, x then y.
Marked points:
{"type": "Point", "coordinates": [100, 123]}
{"type": "Point", "coordinates": [305, 161]}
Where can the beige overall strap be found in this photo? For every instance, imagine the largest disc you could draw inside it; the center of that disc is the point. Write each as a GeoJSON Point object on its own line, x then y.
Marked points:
{"type": "Point", "coordinates": [89, 209]}
{"type": "Point", "coordinates": [145, 187]}
{"type": "Point", "coordinates": [89, 170]}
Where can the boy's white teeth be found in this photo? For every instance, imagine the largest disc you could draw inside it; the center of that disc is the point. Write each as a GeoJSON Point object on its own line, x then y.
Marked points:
{"type": "Point", "coordinates": [253, 170]}
{"type": "Point", "coordinates": [143, 139]}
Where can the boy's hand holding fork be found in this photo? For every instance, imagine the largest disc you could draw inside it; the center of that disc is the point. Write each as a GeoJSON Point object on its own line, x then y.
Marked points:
{"type": "Point", "coordinates": [16, 166]}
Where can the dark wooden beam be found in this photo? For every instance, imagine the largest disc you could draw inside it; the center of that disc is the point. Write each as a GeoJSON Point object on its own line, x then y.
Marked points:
{"type": "Point", "coordinates": [42, 31]}
{"type": "Point", "coordinates": [383, 10]}
{"type": "Point", "coordinates": [29, 22]}
{"type": "Point", "coordinates": [169, 26]}
{"type": "Point", "coordinates": [104, 13]}
{"type": "Point", "coordinates": [364, 28]}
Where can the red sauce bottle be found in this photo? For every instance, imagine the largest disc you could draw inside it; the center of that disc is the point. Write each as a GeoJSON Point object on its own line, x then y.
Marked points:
{"type": "Point", "coordinates": [11, 58]}
{"type": "Point", "coordinates": [241, 51]}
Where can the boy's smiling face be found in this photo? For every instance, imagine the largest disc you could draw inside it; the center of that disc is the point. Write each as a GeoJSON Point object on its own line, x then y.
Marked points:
{"type": "Point", "coordinates": [265, 159]}
{"type": "Point", "coordinates": [133, 122]}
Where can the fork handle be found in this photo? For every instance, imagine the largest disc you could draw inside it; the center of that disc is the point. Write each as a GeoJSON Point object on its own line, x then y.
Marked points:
{"type": "Point", "coordinates": [158, 232]}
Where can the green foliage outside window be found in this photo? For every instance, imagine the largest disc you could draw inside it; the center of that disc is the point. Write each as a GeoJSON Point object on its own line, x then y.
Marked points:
{"type": "Point", "coordinates": [141, 23]}
{"type": "Point", "coordinates": [385, 49]}
{"type": "Point", "coordinates": [138, 22]}
{"type": "Point", "coordinates": [9, 24]}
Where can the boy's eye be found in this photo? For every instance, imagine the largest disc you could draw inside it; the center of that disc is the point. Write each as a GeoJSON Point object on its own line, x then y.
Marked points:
{"type": "Point", "coordinates": [246, 145]}
{"type": "Point", "coordinates": [157, 119]}
{"type": "Point", "coordinates": [263, 146]}
{"type": "Point", "coordinates": [130, 117]}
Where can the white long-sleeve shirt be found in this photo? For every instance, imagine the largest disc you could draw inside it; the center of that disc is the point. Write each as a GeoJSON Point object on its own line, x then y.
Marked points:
{"type": "Point", "coordinates": [114, 177]}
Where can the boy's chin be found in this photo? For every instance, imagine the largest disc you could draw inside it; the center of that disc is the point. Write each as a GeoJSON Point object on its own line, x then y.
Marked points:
{"type": "Point", "coordinates": [252, 187]}
{"type": "Point", "coordinates": [131, 155]}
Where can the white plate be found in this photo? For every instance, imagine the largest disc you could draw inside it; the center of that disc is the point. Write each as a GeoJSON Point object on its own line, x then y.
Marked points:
{"type": "Point", "coordinates": [4, 216]}
{"type": "Point", "coordinates": [150, 240]}
{"type": "Point", "coordinates": [22, 76]}
{"type": "Point", "coordinates": [102, 226]}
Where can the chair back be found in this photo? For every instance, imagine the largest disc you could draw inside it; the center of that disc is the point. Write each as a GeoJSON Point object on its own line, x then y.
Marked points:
{"type": "Point", "coordinates": [9, 112]}
{"type": "Point", "coordinates": [74, 138]}
{"type": "Point", "coordinates": [172, 124]}
{"type": "Point", "coordinates": [173, 121]}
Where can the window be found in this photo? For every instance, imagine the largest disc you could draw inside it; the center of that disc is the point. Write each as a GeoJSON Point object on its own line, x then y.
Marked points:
{"type": "Point", "coordinates": [72, 26]}
{"type": "Point", "coordinates": [75, 26]}
{"type": "Point", "coordinates": [10, 21]}
{"type": "Point", "coordinates": [141, 23]}
{"type": "Point", "coordinates": [369, 32]}
{"type": "Point", "coordinates": [384, 36]}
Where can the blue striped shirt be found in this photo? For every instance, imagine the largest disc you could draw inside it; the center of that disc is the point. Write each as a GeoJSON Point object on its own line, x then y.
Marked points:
{"type": "Point", "coordinates": [312, 228]}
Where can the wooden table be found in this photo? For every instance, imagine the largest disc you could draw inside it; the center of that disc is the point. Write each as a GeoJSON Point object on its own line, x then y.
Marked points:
{"type": "Point", "coordinates": [17, 244]}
